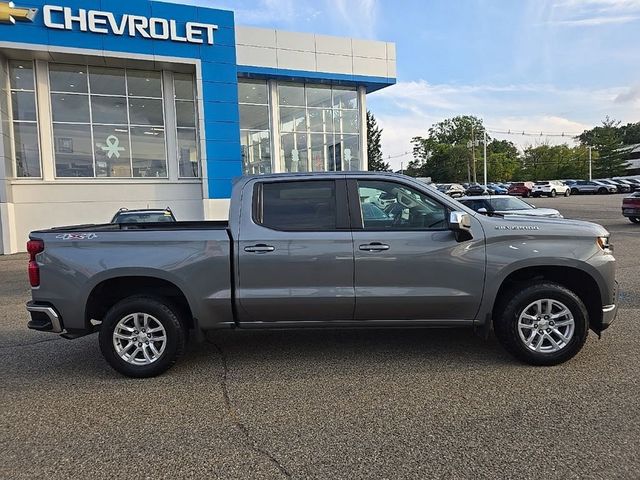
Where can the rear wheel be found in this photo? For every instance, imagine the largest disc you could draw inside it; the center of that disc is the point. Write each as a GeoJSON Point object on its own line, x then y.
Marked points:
{"type": "Point", "coordinates": [526, 194]}
{"type": "Point", "coordinates": [552, 194]}
{"type": "Point", "coordinates": [567, 192]}
{"type": "Point", "coordinates": [574, 191]}
{"type": "Point", "coordinates": [142, 336]}
{"type": "Point", "coordinates": [543, 324]}
{"type": "Point", "coordinates": [602, 191]}
{"type": "Point", "coordinates": [635, 219]}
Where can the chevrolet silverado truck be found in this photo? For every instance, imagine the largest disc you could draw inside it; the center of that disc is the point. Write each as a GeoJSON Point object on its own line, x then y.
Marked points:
{"type": "Point", "coordinates": [319, 251]}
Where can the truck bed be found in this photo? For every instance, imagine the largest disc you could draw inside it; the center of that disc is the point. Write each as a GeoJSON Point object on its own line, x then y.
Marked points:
{"type": "Point", "coordinates": [157, 226]}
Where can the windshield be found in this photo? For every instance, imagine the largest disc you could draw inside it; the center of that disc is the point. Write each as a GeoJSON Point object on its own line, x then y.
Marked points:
{"type": "Point", "coordinates": [505, 204]}
{"type": "Point", "coordinates": [143, 217]}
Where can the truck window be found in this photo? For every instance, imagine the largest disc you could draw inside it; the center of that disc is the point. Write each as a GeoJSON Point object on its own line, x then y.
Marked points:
{"type": "Point", "coordinates": [404, 207]}
{"type": "Point", "coordinates": [295, 206]}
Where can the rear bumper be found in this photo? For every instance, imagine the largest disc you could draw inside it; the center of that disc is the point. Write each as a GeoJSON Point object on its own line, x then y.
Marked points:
{"type": "Point", "coordinates": [631, 211]}
{"type": "Point", "coordinates": [44, 318]}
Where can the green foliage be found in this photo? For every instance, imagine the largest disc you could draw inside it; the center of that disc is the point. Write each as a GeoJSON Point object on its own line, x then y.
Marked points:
{"type": "Point", "coordinates": [612, 142]}
{"type": "Point", "coordinates": [374, 145]}
{"type": "Point", "coordinates": [548, 162]}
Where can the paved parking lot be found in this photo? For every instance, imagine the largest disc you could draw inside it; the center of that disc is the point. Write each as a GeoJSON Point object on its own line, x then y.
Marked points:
{"type": "Point", "coordinates": [328, 404]}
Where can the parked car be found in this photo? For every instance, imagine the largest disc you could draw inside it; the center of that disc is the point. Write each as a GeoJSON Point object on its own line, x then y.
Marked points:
{"type": "Point", "coordinates": [452, 189]}
{"type": "Point", "coordinates": [522, 189]}
{"type": "Point", "coordinates": [620, 186]}
{"type": "Point", "coordinates": [550, 188]}
{"type": "Point", "coordinates": [298, 251]}
{"type": "Point", "coordinates": [477, 189]}
{"type": "Point", "coordinates": [497, 188]}
{"type": "Point", "coordinates": [633, 184]}
{"type": "Point", "coordinates": [507, 205]}
{"type": "Point", "coordinates": [144, 215]}
{"type": "Point", "coordinates": [631, 207]}
{"type": "Point", "coordinates": [604, 188]}
{"type": "Point", "coordinates": [590, 186]}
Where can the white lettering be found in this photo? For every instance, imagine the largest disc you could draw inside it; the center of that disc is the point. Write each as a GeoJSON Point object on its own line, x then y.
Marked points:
{"type": "Point", "coordinates": [153, 30]}
{"type": "Point", "coordinates": [95, 19]}
{"type": "Point", "coordinates": [48, 20]}
{"type": "Point", "coordinates": [69, 18]}
{"type": "Point", "coordinates": [118, 29]}
{"type": "Point", "coordinates": [139, 24]}
{"type": "Point", "coordinates": [135, 25]}
{"type": "Point", "coordinates": [174, 32]}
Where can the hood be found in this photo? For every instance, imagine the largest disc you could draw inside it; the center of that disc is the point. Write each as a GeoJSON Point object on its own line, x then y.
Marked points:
{"type": "Point", "coordinates": [540, 225]}
{"type": "Point", "coordinates": [535, 212]}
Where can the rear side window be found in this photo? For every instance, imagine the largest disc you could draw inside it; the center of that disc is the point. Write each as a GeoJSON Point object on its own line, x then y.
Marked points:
{"type": "Point", "coordinates": [296, 206]}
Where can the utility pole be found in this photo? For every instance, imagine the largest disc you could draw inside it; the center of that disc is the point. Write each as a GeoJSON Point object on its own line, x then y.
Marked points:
{"type": "Point", "coordinates": [590, 176]}
{"type": "Point", "coordinates": [485, 158]}
{"type": "Point", "coordinates": [473, 154]}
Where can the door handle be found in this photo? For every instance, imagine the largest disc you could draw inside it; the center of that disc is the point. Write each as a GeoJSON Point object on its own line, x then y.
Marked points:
{"type": "Point", "coordinates": [260, 248]}
{"type": "Point", "coordinates": [374, 247]}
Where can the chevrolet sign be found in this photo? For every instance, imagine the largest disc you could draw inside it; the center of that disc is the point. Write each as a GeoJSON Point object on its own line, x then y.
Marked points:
{"type": "Point", "coordinates": [96, 21]}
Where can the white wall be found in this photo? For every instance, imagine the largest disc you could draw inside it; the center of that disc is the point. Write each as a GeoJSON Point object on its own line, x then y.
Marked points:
{"type": "Point", "coordinates": [263, 47]}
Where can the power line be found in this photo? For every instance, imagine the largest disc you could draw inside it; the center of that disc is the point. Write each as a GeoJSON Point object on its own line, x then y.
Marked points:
{"type": "Point", "coordinates": [533, 134]}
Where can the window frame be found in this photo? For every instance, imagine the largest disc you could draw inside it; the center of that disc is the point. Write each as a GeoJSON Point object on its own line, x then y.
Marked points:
{"type": "Point", "coordinates": [195, 128]}
{"type": "Point", "coordinates": [12, 121]}
{"type": "Point", "coordinates": [355, 210]}
{"type": "Point", "coordinates": [341, 196]}
{"type": "Point", "coordinates": [269, 130]}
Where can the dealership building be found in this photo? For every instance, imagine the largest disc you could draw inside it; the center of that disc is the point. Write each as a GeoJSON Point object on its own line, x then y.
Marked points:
{"type": "Point", "coordinates": [145, 104]}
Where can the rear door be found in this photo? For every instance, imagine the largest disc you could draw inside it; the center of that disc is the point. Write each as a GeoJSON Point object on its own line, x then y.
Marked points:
{"type": "Point", "coordinates": [295, 255]}
{"type": "Point", "coordinates": [409, 265]}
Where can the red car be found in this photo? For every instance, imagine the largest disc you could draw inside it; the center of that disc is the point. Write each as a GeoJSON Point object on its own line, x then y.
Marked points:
{"type": "Point", "coordinates": [631, 207]}
{"type": "Point", "coordinates": [522, 189]}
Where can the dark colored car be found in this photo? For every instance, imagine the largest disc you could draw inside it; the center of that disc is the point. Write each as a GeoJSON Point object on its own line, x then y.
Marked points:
{"type": "Point", "coordinates": [146, 215]}
{"type": "Point", "coordinates": [620, 186]}
{"type": "Point", "coordinates": [477, 189]}
{"type": "Point", "coordinates": [631, 207]}
{"type": "Point", "coordinates": [522, 189]}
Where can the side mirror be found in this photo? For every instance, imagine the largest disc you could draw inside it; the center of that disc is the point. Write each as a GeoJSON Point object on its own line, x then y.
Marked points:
{"type": "Point", "coordinates": [459, 221]}
{"type": "Point", "coordinates": [482, 211]}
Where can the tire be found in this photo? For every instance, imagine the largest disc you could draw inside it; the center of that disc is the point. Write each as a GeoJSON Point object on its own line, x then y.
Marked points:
{"type": "Point", "coordinates": [161, 318]}
{"type": "Point", "coordinates": [513, 335]}
{"type": "Point", "coordinates": [526, 194]}
{"type": "Point", "coordinates": [602, 191]}
{"type": "Point", "coordinates": [552, 194]}
{"type": "Point", "coordinates": [575, 191]}
{"type": "Point", "coordinates": [634, 219]}
{"type": "Point", "coordinates": [567, 192]}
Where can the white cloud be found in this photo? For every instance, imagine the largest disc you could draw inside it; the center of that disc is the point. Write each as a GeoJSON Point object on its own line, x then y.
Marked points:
{"type": "Point", "coordinates": [593, 13]}
{"type": "Point", "coordinates": [596, 21]}
{"type": "Point", "coordinates": [410, 108]}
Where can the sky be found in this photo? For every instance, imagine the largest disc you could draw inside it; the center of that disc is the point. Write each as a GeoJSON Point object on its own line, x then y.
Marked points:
{"type": "Point", "coordinates": [550, 66]}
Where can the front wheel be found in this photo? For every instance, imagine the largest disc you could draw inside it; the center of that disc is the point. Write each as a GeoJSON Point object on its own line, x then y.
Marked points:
{"type": "Point", "coordinates": [567, 192]}
{"type": "Point", "coordinates": [634, 219]}
{"type": "Point", "coordinates": [574, 191]}
{"type": "Point", "coordinates": [602, 191]}
{"type": "Point", "coordinates": [526, 194]}
{"type": "Point", "coordinates": [142, 336]}
{"type": "Point", "coordinates": [543, 324]}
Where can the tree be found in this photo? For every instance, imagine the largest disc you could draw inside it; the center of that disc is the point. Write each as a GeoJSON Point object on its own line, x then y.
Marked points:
{"type": "Point", "coordinates": [374, 147]}
{"type": "Point", "coordinates": [607, 141]}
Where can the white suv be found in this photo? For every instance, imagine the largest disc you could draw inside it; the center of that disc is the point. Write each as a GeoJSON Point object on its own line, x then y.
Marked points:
{"type": "Point", "coordinates": [550, 188]}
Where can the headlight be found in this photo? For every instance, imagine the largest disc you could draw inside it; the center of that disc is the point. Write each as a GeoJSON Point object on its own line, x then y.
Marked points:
{"type": "Point", "coordinates": [603, 243]}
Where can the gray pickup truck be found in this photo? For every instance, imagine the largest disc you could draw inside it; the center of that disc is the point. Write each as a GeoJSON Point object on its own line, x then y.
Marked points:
{"type": "Point", "coordinates": [323, 251]}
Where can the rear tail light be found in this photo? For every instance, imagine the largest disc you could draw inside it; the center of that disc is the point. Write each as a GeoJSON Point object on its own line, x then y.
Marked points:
{"type": "Point", "coordinates": [34, 247]}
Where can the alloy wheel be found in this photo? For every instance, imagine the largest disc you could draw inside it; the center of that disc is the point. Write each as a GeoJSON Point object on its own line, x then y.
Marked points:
{"type": "Point", "coordinates": [139, 339]}
{"type": "Point", "coordinates": [546, 326]}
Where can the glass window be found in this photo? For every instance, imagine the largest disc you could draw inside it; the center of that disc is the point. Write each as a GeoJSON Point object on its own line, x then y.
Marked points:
{"type": "Point", "coordinates": [293, 206]}
{"type": "Point", "coordinates": [185, 113]}
{"type": "Point", "coordinates": [70, 108]}
{"type": "Point", "coordinates": [349, 152]}
{"type": "Point", "coordinates": [346, 121]}
{"type": "Point", "coordinates": [27, 155]}
{"type": "Point", "coordinates": [256, 152]}
{"type": "Point", "coordinates": [321, 120]}
{"type": "Point", "coordinates": [345, 98]}
{"type": "Point", "coordinates": [252, 92]}
{"type": "Point", "coordinates": [23, 104]}
{"type": "Point", "coordinates": [255, 127]}
{"type": "Point", "coordinates": [107, 81]}
{"type": "Point", "coordinates": [291, 94]}
{"type": "Point", "coordinates": [109, 110]}
{"type": "Point", "coordinates": [111, 150]}
{"type": "Point", "coordinates": [24, 115]}
{"type": "Point", "coordinates": [319, 152]}
{"type": "Point", "coordinates": [186, 122]}
{"type": "Point", "coordinates": [254, 117]}
{"type": "Point", "coordinates": [68, 78]}
{"type": "Point", "coordinates": [404, 207]}
{"type": "Point", "coordinates": [73, 150]}
{"type": "Point", "coordinates": [293, 119]}
{"type": "Point", "coordinates": [21, 75]}
{"type": "Point", "coordinates": [142, 83]}
{"type": "Point", "coordinates": [148, 153]}
{"type": "Point", "coordinates": [318, 96]}
{"type": "Point", "coordinates": [293, 148]}
{"type": "Point", "coordinates": [145, 111]}
{"type": "Point", "coordinates": [188, 153]}
{"type": "Point", "coordinates": [183, 86]}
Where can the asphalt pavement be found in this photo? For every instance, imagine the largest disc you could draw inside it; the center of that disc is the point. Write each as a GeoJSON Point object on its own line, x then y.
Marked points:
{"type": "Point", "coordinates": [328, 404]}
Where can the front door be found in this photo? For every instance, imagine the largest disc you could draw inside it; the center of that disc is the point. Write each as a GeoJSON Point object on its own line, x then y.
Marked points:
{"type": "Point", "coordinates": [295, 255]}
{"type": "Point", "coordinates": [408, 264]}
